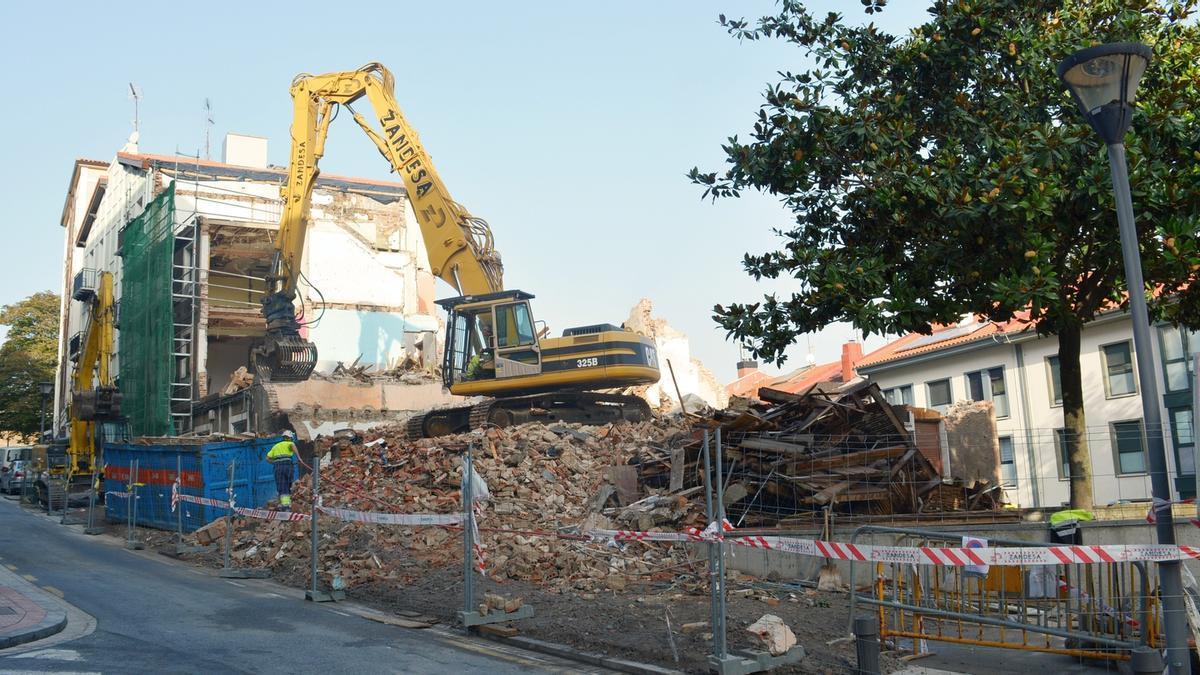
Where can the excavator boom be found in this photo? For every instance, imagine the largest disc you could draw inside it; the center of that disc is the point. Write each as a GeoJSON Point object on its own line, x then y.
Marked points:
{"type": "Point", "coordinates": [94, 396]}
{"type": "Point", "coordinates": [492, 345]}
{"type": "Point", "coordinates": [460, 246]}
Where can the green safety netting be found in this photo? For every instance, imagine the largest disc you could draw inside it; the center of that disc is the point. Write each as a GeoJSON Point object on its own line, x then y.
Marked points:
{"type": "Point", "coordinates": [147, 249]}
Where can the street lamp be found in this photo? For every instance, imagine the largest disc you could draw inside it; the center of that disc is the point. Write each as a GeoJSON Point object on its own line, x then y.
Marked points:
{"type": "Point", "coordinates": [45, 389]}
{"type": "Point", "coordinates": [1103, 81]}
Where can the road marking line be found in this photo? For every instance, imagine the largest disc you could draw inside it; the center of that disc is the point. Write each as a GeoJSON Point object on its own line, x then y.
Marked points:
{"type": "Point", "coordinates": [53, 655]}
{"type": "Point", "coordinates": [276, 595]}
{"type": "Point", "coordinates": [335, 611]}
{"type": "Point", "coordinates": [28, 577]}
{"type": "Point", "coordinates": [235, 583]}
{"type": "Point", "coordinates": [55, 591]}
{"type": "Point", "coordinates": [11, 567]}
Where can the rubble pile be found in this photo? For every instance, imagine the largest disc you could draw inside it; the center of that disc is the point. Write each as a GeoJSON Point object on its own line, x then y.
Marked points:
{"type": "Point", "coordinates": [790, 456]}
{"type": "Point", "coordinates": [541, 479]}
{"type": "Point", "coordinates": [787, 459]}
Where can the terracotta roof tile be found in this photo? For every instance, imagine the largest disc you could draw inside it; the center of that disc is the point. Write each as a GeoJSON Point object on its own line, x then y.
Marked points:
{"type": "Point", "coordinates": [903, 347]}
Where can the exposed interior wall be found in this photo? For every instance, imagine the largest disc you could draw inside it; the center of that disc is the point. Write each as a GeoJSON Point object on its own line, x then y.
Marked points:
{"type": "Point", "coordinates": [225, 355]}
{"type": "Point", "coordinates": [379, 338]}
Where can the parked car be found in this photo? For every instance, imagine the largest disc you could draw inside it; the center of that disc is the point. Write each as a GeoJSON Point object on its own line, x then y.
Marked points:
{"type": "Point", "coordinates": [14, 477]}
{"type": "Point", "coordinates": [12, 453]}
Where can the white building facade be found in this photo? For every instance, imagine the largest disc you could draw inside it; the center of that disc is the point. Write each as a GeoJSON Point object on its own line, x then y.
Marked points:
{"type": "Point", "coordinates": [1018, 372]}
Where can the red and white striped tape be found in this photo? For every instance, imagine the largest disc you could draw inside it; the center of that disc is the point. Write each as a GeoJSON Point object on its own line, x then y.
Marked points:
{"type": "Point", "coordinates": [267, 514]}
{"type": "Point", "coordinates": [926, 555]}
{"type": "Point", "coordinates": [479, 546]}
{"type": "Point", "coordinates": [1160, 505]}
{"type": "Point", "coordinates": [378, 518]}
{"type": "Point", "coordinates": [203, 501]}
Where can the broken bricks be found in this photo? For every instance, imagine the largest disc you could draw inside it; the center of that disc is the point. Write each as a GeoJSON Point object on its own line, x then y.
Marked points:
{"type": "Point", "coordinates": [543, 481]}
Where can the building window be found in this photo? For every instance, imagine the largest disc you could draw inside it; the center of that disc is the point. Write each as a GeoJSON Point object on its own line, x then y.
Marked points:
{"type": "Point", "coordinates": [939, 394]}
{"type": "Point", "coordinates": [1176, 357]}
{"type": "Point", "coordinates": [1055, 374]}
{"type": "Point", "coordinates": [1119, 378]}
{"type": "Point", "coordinates": [901, 395]}
{"type": "Point", "coordinates": [1129, 447]}
{"type": "Point", "coordinates": [988, 385]}
{"type": "Point", "coordinates": [1183, 440]}
{"type": "Point", "coordinates": [1008, 462]}
{"type": "Point", "coordinates": [1060, 451]}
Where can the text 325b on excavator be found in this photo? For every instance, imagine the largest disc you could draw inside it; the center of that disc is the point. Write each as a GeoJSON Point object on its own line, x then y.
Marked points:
{"type": "Point", "coordinates": [493, 346]}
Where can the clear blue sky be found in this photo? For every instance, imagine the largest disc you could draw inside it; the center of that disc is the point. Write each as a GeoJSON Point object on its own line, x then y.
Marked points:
{"type": "Point", "coordinates": [568, 126]}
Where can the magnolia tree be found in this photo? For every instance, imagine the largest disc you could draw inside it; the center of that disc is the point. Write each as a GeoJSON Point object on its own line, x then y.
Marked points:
{"type": "Point", "coordinates": [948, 171]}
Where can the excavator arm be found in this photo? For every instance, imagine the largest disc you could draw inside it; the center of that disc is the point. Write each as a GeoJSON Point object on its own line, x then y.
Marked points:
{"type": "Point", "coordinates": [460, 246]}
{"type": "Point", "coordinates": [94, 397]}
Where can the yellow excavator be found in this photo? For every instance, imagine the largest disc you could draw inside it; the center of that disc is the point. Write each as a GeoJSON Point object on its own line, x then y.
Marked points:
{"type": "Point", "coordinates": [95, 411]}
{"type": "Point", "coordinates": [493, 346]}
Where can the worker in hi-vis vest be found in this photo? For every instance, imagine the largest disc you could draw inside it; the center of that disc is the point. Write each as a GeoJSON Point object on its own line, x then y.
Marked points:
{"type": "Point", "coordinates": [280, 456]}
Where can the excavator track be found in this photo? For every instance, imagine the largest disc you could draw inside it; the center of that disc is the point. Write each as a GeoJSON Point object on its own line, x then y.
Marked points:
{"type": "Point", "coordinates": [439, 422]}
{"type": "Point", "coordinates": [414, 428]}
{"type": "Point", "coordinates": [570, 406]}
{"type": "Point", "coordinates": [480, 413]}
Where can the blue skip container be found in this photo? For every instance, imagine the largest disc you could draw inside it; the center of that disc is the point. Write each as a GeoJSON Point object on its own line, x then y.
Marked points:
{"type": "Point", "coordinates": [203, 469]}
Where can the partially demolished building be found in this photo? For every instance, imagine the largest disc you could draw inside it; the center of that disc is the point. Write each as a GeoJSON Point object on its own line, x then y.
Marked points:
{"type": "Point", "coordinates": [188, 242]}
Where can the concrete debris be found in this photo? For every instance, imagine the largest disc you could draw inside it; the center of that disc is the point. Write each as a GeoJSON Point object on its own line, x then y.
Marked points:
{"type": "Point", "coordinates": [773, 634]}
{"type": "Point", "coordinates": [494, 602]}
{"type": "Point", "coordinates": [212, 532]}
{"type": "Point", "coordinates": [672, 345]}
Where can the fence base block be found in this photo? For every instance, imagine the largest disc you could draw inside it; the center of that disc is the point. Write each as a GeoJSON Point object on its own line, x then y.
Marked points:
{"type": "Point", "coordinates": [469, 619]}
{"type": "Point", "coordinates": [94, 530]}
{"type": "Point", "coordinates": [134, 545]}
{"type": "Point", "coordinates": [743, 662]}
{"type": "Point", "coordinates": [243, 573]}
{"type": "Point", "coordinates": [324, 596]}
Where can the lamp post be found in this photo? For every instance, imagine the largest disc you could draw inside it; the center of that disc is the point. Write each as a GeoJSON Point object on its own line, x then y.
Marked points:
{"type": "Point", "coordinates": [1103, 81]}
{"type": "Point", "coordinates": [45, 389]}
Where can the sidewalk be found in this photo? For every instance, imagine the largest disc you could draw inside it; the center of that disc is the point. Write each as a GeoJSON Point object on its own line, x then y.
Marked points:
{"type": "Point", "coordinates": [27, 613]}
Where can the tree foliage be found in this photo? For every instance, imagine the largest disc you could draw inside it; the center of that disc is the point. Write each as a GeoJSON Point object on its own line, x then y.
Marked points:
{"type": "Point", "coordinates": [27, 357]}
{"type": "Point", "coordinates": [948, 171]}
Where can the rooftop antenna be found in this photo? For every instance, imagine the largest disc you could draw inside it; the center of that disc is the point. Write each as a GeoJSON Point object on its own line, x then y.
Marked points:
{"type": "Point", "coordinates": [208, 122]}
{"type": "Point", "coordinates": [811, 358]}
{"type": "Point", "coordinates": [135, 92]}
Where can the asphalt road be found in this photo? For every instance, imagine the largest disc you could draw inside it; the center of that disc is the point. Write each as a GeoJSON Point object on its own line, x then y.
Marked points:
{"type": "Point", "coordinates": [154, 614]}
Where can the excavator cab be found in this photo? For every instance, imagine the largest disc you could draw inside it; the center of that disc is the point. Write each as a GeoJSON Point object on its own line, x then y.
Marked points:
{"type": "Point", "coordinates": [490, 336]}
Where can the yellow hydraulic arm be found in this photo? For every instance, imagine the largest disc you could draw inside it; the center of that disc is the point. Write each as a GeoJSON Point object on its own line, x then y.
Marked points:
{"type": "Point", "coordinates": [460, 245]}
{"type": "Point", "coordinates": [93, 395]}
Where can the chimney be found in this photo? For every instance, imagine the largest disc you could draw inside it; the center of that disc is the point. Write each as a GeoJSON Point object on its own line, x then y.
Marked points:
{"type": "Point", "coordinates": [244, 150]}
{"type": "Point", "coordinates": [745, 367]}
{"type": "Point", "coordinates": [851, 355]}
